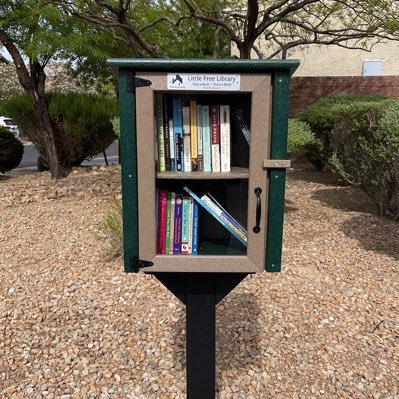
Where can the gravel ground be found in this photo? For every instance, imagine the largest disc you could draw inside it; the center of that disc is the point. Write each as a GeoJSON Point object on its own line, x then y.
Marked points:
{"type": "Point", "coordinates": [73, 325]}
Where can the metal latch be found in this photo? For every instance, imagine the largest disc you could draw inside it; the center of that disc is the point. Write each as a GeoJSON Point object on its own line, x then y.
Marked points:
{"type": "Point", "coordinates": [276, 163]}
{"type": "Point", "coordinates": [138, 264]}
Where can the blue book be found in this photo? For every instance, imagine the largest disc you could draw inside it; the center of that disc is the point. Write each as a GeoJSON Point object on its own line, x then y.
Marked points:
{"type": "Point", "coordinates": [177, 105]}
{"type": "Point", "coordinates": [195, 229]}
{"type": "Point", "coordinates": [177, 224]}
{"type": "Point", "coordinates": [214, 214]}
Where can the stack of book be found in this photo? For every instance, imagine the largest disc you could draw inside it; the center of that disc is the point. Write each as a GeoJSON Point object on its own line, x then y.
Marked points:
{"type": "Point", "coordinates": [190, 136]}
{"type": "Point", "coordinates": [177, 232]}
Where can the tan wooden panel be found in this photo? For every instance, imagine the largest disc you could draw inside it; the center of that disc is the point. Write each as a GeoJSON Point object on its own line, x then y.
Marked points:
{"type": "Point", "coordinates": [259, 86]}
{"type": "Point", "coordinates": [202, 263]}
{"type": "Point", "coordinates": [259, 150]}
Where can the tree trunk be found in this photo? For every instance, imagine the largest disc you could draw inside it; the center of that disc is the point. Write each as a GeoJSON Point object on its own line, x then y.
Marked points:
{"type": "Point", "coordinates": [33, 81]}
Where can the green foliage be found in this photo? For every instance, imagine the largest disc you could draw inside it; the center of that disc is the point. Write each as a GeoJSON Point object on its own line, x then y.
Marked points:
{"type": "Point", "coordinates": [365, 151]}
{"type": "Point", "coordinates": [322, 115]}
{"type": "Point", "coordinates": [299, 137]}
{"type": "Point", "coordinates": [82, 123]}
{"type": "Point", "coordinates": [116, 125]}
{"type": "Point", "coordinates": [11, 151]}
{"type": "Point", "coordinates": [111, 231]}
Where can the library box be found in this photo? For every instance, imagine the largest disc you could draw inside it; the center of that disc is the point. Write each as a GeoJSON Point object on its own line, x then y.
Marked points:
{"type": "Point", "coordinates": [203, 150]}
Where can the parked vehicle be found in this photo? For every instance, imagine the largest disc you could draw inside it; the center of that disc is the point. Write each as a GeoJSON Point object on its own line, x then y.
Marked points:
{"type": "Point", "coordinates": [8, 123]}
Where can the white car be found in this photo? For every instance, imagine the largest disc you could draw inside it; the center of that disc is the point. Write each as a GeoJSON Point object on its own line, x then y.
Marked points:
{"type": "Point", "coordinates": [8, 123]}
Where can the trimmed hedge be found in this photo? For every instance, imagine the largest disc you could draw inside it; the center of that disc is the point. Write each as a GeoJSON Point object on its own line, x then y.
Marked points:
{"type": "Point", "coordinates": [365, 152]}
{"type": "Point", "coordinates": [299, 137]}
{"type": "Point", "coordinates": [11, 151]}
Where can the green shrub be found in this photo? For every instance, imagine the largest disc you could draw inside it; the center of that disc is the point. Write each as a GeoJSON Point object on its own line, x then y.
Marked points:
{"type": "Point", "coordinates": [11, 151]}
{"type": "Point", "coordinates": [82, 122]}
{"type": "Point", "coordinates": [299, 136]}
{"type": "Point", "coordinates": [321, 117]}
{"type": "Point", "coordinates": [111, 231]}
{"type": "Point", "coordinates": [116, 126]}
{"type": "Point", "coordinates": [365, 152]}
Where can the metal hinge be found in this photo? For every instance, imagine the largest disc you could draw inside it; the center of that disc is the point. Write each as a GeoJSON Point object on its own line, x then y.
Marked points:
{"type": "Point", "coordinates": [138, 264]}
{"type": "Point", "coordinates": [134, 82]}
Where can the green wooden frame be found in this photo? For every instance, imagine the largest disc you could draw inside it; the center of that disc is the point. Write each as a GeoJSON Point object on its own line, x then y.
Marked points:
{"type": "Point", "coordinates": [280, 70]}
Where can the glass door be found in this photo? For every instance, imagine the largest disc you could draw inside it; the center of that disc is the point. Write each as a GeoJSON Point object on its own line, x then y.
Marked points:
{"type": "Point", "coordinates": [201, 185]}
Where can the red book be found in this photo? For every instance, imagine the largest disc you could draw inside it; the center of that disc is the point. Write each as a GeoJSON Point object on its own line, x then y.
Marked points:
{"type": "Point", "coordinates": [215, 137]}
{"type": "Point", "coordinates": [162, 211]}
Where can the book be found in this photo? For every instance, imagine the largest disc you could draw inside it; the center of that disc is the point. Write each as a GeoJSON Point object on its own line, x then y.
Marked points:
{"type": "Point", "coordinates": [177, 224]}
{"type": "Point", "coordinates": [178, 131]}
{"type": "Point", "coordinates": [224, 123]}
{"type": "Point", "coordinates": [206, 140]}
{"type": "Point", "coordinates": [238, 224]}
{"type": "Point", "coordinates": [168, 226]}
{"type": "Point", "coordinates": [185, 226]}
{"type": "Point", "coordinates": [171, 135]}
{"type": "Point", "coordinates": [215, 215]}
{"type": "Point", "coordinates": [190, 226]}
{"type": "Point", "coordinates": [166, 138]}
{"type": "Point", "coordinates": [215, 137]}
{"type": "Point", "coordinates": [186, 139]}
{"type": "Point", "coordinates": [172, 221]}
{"type": "Point", "coordinates": [195, 229]}
{"type": "Point", "coordinates": [199, 135]}
{"type": "Point", "coordinates": [160, 133]}
{"type": "Point", "coordinates": [194, 136]}
{"type": "Point", "coordinates": [161, 231]}
{"type": "Point", "coordinates": [226, 217]}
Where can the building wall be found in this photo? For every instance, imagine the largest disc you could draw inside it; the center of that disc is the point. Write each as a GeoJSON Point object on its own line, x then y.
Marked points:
{"type": "Point", "coordinates": [337, 61]}
{"type": "Point", "coordinates": [307, 90]}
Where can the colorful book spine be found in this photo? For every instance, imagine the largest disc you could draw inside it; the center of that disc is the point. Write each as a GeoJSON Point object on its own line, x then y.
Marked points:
{"type": "Point", "coordinates": [200, 139]}
{"type": "Point", "coordinates": [162, 210]}
{"type": "Point", "coordinates": [215, 137]}
{"type": "Point", "coordinates": [185, 226]}
{"type": "Point", "coordinates": [178, 131]}
{"type": "Point", "coordinates": [177, 224]}
{"type": "Point", "coordinates": [168, 224]}
{"type": "Point", "coordinates": [195, 229]}
{"type": "Point", "coordinates": [160, 133]}
{"type": "Point", "coordinates": [242, 229]}
{"type": "Point", "coordinates": [224, 138]}
{"type": "Point", "coordinates": [214, 214]}
{"type": "Point", "coordinates": [172, 222]}
{"type": "Point", "coordinates": [194, 135]}
{"type": "Point", "coordinates": [166, 139]}
{"type": "Point", "coordinates": [186, 139]}
{"type": "Point", "coordinates": [171, 135]}
{"type": "Point", "coordinates": [206, 139]}
{"type": "Point", "coordinates": [190, 226]}
{"type": "Point", "coordinates": [226, 217]}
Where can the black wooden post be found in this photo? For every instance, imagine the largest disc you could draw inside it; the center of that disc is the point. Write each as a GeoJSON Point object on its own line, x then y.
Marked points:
{"type": "Point", "coordinates": [200, 292]}
{"type": "Point", "coordinates": [200, 337]}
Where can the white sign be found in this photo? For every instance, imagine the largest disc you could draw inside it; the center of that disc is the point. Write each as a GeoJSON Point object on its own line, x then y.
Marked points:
{"type": "Point", "coordinates": [200, 81]}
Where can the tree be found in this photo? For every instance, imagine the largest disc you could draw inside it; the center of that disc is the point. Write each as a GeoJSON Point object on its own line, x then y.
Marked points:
{"type": "Point", "coordinates": [281, 24]}
{"type": "Point", "coordinates": [35, 35]}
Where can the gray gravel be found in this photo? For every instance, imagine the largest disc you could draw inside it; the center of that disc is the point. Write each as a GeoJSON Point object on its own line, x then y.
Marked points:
{"type": "Point", "coordinates": [73, 325]}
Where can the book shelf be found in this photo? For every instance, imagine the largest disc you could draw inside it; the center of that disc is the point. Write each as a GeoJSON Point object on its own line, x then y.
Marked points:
{"type": "Point", "coordinates": [243, 237]}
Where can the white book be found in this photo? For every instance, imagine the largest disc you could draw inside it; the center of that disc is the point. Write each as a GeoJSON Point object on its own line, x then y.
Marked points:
{"type": "Point", "coordinates": [172, 145]}
{"type": "Point", "coordinates": [206, 139]}
{"type": "Point", "coordinates": [172, 222]}
{"type": "Point", "coordinates": [215, 137]}
{"type": "Point", "coordinates": [224, 138]}
{"type": "Point", "coordinates": [186, 139]}
{"type": "Point", "coordinates": [199, 138]}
